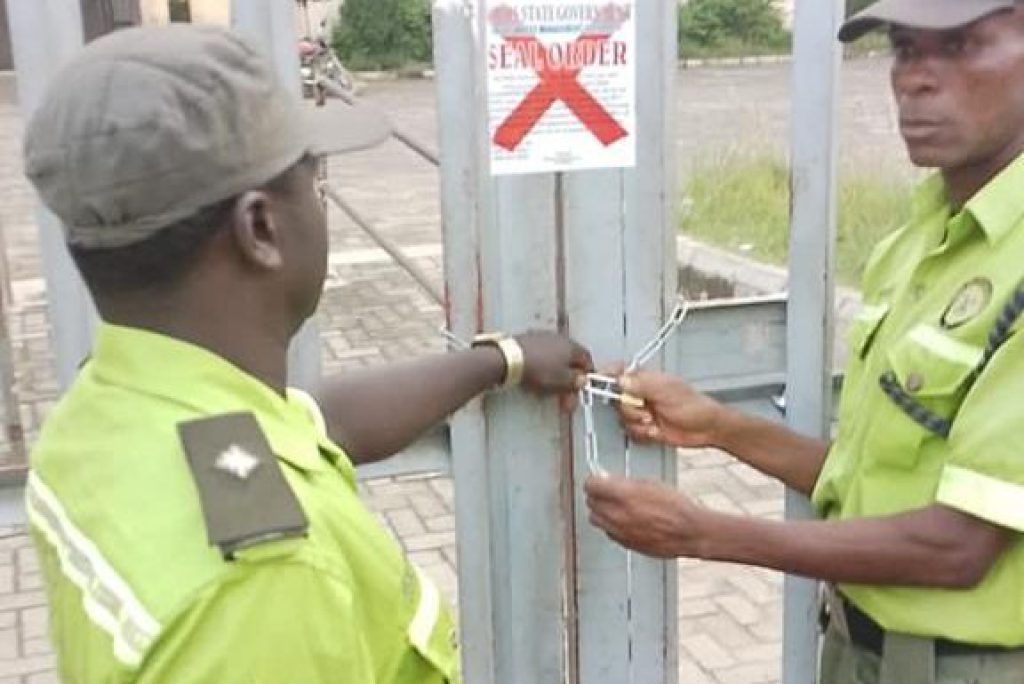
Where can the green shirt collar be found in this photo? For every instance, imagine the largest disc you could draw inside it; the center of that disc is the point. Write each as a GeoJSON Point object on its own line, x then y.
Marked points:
{"type": "Point", "coordinates": [186, 374]}
{"type": "Point", "coordinates": [995, 208]}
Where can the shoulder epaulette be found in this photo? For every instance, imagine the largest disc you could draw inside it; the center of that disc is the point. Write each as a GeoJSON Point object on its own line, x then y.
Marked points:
{"type": "Point", "coordinates": [244, 495]}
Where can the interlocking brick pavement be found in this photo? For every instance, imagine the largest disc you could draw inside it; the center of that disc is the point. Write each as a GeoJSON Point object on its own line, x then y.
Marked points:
{"type": "Point", "coordinates": [729, 616]}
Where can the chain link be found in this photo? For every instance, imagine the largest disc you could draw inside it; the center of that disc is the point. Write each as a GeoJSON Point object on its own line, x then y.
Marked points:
{"type": "Point", "coordinates": [608, 389]}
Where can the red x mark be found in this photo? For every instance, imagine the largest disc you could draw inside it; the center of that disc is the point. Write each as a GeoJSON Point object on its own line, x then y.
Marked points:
{"type": "Point", "coordinates": [558, 83]}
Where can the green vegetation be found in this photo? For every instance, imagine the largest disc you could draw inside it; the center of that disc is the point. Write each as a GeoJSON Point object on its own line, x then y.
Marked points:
{"type": "Point", "coordinates": [384, 34]}
{"type": "Point", "coordinates": [394, 34]}
{"type": "Point", "coordinates": [731, 28]}
{"type": "Point", "coordinates": [740, 201]}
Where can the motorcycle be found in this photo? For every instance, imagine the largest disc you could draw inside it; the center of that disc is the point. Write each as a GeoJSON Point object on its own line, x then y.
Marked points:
{"type": "Point", "coordinates": [316, 62]}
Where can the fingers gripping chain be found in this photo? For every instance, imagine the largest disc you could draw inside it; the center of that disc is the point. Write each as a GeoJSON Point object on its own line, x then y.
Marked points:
{"type": "Point", "coordinates": [609, 389]}
{"type": "Point", "coordinates": [605, 387]}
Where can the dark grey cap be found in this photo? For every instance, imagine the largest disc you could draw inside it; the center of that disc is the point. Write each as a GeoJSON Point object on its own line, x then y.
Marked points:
{"type": "Point", "coordinates": [926, 14]}
{"type": "Point", "coordinates": [148, 125]}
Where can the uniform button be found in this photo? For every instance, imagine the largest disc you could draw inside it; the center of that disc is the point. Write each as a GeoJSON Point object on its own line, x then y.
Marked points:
{"type": "Point", "coordinates": [915, 381]}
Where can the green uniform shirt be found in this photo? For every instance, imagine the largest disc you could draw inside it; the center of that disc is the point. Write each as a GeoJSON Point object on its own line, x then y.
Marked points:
{"type": "Point", "coordinates": [138, 594]}
{"type": "Point", "coordinates": [932, 292]}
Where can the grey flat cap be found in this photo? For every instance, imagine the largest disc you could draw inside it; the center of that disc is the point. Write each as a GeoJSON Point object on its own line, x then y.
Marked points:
{"type": "Point", "coordinates": [148, 125]}
{"type": "Point", "coordinates": [926, 14]}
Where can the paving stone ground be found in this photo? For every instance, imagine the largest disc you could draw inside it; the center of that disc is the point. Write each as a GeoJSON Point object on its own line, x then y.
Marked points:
{"type": "Point", "coordinates": [729, 617]}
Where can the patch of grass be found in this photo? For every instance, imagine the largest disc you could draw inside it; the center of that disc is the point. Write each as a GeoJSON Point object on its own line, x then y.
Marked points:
{"type": "Point", "coordinates": [870, 45]}
{"type": "Point", "coordinates": [740, 201]}
{"type": "Point", "coordinates": [875, 42]}
{"type": "Point", "coordinates": [733, 48]}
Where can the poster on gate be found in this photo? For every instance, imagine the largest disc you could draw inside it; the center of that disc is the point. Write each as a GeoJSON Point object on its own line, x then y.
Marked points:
{"type": "Point", "coordinates": [561, 85]}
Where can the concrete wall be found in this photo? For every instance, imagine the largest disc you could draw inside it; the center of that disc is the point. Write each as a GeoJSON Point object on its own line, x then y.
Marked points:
{"type": "Point", "coordinates": [203, 11]}
{"type": "Point", "coordinates": [211, 12]}
{"type": "Point", "coordinates": [219, 12]}
{"type": "Point", "coordinates": [154, 12]}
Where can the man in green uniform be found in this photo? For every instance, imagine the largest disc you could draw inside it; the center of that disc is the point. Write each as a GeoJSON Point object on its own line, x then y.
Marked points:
{"type": "Point", "coordinates": [922, 491]}
{"type": "Point", "coordinates": [196, 520]}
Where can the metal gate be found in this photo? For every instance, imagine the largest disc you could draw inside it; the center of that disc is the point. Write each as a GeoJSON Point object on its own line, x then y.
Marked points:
{"type": "Point", "coordinates": [549, 600]}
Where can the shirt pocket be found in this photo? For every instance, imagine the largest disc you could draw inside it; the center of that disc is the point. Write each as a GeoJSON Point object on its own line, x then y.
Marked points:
{"type": "Point", "coordinates": [864, 327]}
{"type": "Point", "coordinates": [932, 370]}
{"type": "Point", "coordinates": [859, 336]}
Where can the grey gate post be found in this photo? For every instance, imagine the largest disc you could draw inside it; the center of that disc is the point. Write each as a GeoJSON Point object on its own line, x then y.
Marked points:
{"type": "Point", "coordinates": [44, 35]}
{"type": "Point", "coordinates": [464, 206]}
{"type": "Point", "coordinates": [543, 597]}
{"type": "Point", "coordinates": [271, 24]}
{"type": "Point", "coordinates": [816, 63]}
{"type": "Point", "coordinates": [620, 229]}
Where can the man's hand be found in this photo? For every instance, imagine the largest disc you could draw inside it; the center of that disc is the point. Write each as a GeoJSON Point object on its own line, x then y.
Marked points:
{"type": "Point", "coordinates": [554, 363]}
{"type": "Point", "coordinates": [934, 546]}
{"type": "Point", "coordinates": [647, 516]}
{"type": "Point", "coordinates": [674, 413]}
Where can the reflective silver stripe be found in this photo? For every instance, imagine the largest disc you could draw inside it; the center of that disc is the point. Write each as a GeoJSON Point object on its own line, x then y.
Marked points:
{"type": "Point", "coordinates": [427, 612]}
{"type": "Point", "coordinates": [108, 600]}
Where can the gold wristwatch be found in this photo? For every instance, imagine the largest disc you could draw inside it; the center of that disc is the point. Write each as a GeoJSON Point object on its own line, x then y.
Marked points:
{"type": "Point", "coordinates": [515, 361]}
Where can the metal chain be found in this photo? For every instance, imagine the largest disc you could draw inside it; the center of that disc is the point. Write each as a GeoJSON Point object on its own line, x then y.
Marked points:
{"type": "Point", "coordinates": [590, 448]}
{"type": "Point", "coordinates": [608, 389]}
{"type": "Point", "coordinates": [649, 350]}
{"type": "Point", "coordinates": [602, 386]}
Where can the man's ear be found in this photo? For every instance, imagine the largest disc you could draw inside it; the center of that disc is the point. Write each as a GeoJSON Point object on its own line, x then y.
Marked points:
{"type": "Point", "coordinates": [256, 231]}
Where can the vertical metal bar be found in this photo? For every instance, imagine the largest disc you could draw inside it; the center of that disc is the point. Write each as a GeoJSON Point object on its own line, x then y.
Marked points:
{"type": "Point", "coordinates": [518, 249]}
{"type": "Point", "coordinates": [13, 430]}
{"type": "Point", "coordinates": [650, 285]}
{"type": "Point", "coordinates": [595, 263]}
{"type": "Point", "coordinates": [621, 274]}
{"type": "Point", "coordinates": [271, 24]}
{"type": "Point", "coordinates": [463, 205]}
{"type": "Point", "coordinates": [44, 35]}
{"type": "Point", "coordinates": [811, 288]}
{"type": "Point", "coordinates": [516, 288]}
{"type": "Point", "coordinates": [12, 499]}
{"type": "Point", "coordinates": [570, 494]}
{"type": "Point", "coordinates": [521, 288]}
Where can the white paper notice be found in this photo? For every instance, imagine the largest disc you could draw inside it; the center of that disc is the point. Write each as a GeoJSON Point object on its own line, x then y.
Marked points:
{"type": "Point", "coordinates": [561, 85]}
